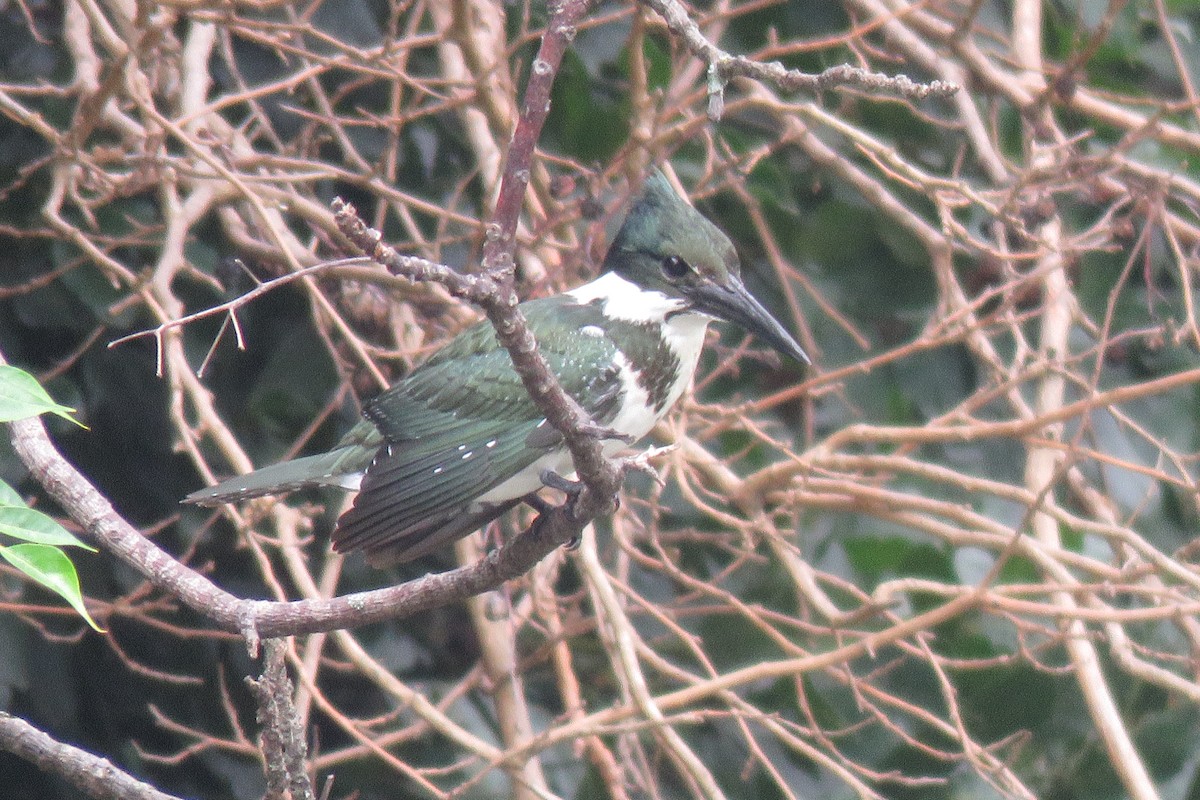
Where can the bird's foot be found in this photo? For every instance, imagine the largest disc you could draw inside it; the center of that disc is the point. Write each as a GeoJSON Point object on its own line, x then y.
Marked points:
{"type": "Point", "coordinates": [567, 486]}
{"type": "Point", "coordinates": [604, 433]}
{"type": "Point", "coordinates": [572, 489]}
{"type": "Point", "coordinates": [539, 504]}
{"type": "Point", "coordinates": [641, 462]}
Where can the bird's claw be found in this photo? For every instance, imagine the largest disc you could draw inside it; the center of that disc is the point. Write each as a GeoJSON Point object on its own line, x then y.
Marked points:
{"type": "Point", "coordinates": [604, 433]}
{"type": "Point", "coordinates": [572, 489]}
{"type": "Point", "coordinates": [565, 485]}
{"type": "Point", "coordinates": [537, 503]}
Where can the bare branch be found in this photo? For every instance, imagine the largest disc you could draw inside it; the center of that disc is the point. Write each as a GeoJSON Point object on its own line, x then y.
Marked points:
{"type": "Point", "coordinates": [92, 775]}
{"type": "Point", "coordinates": [722, 67]}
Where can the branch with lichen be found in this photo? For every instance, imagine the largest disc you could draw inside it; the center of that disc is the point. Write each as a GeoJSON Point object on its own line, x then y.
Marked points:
{"type": "Point", "coordinates": [723, 67]}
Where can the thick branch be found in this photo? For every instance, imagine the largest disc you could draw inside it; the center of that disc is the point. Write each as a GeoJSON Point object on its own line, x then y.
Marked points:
{"type": "Point", "coordinates": [95, 776]}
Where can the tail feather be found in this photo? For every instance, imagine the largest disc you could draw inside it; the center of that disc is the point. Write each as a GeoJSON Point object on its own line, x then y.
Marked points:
{"type": "Point", "coordinates": [325, 469]}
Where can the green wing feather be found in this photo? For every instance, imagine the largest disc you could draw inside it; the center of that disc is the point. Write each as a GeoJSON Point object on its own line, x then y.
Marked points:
{"type": "Point", "coordinates": [417, 487]}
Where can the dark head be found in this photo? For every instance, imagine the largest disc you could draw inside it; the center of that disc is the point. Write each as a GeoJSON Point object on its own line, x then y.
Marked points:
{"type": "Point", "coordinates": [666, 245]}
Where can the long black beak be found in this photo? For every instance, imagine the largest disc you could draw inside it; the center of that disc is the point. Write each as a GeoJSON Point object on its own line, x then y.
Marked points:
{"type": "Point", "coordinates": [731, 302]}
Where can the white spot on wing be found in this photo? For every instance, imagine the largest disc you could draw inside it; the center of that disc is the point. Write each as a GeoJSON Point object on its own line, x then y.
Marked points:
{"type": "Point", "coordinates": [592, 330]}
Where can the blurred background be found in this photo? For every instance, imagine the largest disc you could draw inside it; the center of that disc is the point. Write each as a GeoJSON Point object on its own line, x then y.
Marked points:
{"type": "Point", "coordinates": [953, 559]}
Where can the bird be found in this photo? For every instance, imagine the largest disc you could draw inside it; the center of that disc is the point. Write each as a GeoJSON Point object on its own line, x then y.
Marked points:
{"type": "Point", "coordinates": [458, 441]}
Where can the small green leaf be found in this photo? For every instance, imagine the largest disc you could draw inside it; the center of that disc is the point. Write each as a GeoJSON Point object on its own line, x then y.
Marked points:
{"type": "Point", "coordinates": [50, 567]}
{"type": "Point", "coordinates": [22, 522]}
{"type": "Point", "coordinates": [21, 396]}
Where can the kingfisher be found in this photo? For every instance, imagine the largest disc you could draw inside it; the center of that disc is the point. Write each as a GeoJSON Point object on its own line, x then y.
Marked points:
{"type": "Point", "coordinates": [458, 441]}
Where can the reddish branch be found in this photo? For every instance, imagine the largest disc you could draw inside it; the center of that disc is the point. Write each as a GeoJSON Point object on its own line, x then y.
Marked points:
{"type": "Point", "coordinates": [498, 251]}
{"type": "Point", "coordinates": [495, 292]}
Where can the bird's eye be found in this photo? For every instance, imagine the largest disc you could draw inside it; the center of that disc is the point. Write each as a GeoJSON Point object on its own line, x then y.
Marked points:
{"type": "Point", "coordinates": [674, 268]}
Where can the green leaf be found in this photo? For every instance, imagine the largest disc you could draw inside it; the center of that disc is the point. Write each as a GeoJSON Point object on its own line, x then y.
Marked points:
{"type": "Point", "coordinates": [21, 396]}
{"type": "Point", "coordinates": [50, 567]}
{"type": "Point", "coordinates": [22, 522]}
{"type": "Point", "coordinates": [9, 496]}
